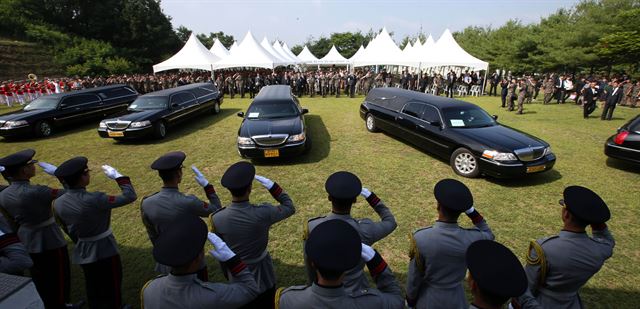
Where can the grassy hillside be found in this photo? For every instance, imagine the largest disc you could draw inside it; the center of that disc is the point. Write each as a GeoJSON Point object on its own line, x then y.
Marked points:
{"type": "Point", "coordinates": [18, 59]}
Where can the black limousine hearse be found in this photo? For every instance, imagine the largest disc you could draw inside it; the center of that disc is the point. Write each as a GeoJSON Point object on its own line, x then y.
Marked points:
{"type": "Point", "coordinates": [625, 145]}
{"type": "Point", "coordinates": [154, 113]}
{"type": "Point", "coordinates": [460, 132]}
{"type": "Point", "coordinates": [45, 114]}
{"type": "Point", "coordinates": [274, 125]}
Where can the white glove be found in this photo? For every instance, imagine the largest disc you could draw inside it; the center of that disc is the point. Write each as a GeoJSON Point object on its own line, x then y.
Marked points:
{"type": "Point", "coordinates": [265, 182]}
{"type": "Point", "coordinates": [111, 172]}
{"type": "Point", "coordinates": [203, 182]}
{"type": "Point", "coordinates": [220, 250]}
{"type": "Point", "coordinates": [470, 210]}
{"type": "Point", "coordinates": [48, 168]}
{"type": "Point", "coordinates": [365, 192]}
{"type": "Point", "coordinates": [1, 168]}
{"type": "Point", "coordinates": [367, 253]}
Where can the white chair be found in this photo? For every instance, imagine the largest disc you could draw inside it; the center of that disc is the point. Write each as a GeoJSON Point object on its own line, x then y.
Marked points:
{"type": "Point", "coordinates": [475, 90]}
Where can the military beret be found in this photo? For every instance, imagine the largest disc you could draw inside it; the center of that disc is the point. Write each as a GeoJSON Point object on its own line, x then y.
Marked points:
{"type": "Point", "coordinates": [18, 159]}
{"type": "Point", "coordinates": [343, 185]}
{"type": "Point", "coordinates": [453, 195]}
{"type": "Point", "coordinates": [496, 269]}
{"type": "Point", "coordinates": [238, 176]}
{"type": "Point", "coordinates": [334, 245]}
{"type": "Point", "coordinates": [585, 204]}
{"type": "Point", "coordinates": [71, 167]}
{"type": "Point", "coordinates": [181, 243]}
{"type": "Point", "coordinates": [169, 161]}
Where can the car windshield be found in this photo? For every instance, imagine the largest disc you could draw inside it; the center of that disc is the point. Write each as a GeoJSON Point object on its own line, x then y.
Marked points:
{"type": "Point", "coordinates": [42, 103]}
{"type": "Point", "coordinates": [272, 110]}
{"type": "Point", "coordinates": [467, 117]}
{"type": "Point", "coordinates": [148, 103]}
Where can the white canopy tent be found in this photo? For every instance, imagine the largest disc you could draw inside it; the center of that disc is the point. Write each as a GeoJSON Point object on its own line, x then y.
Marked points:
{"type": "Point", "coordinates": [333, 57]}
{"type": "Point", "coordinates": [280, 59]}
{"type": "Point", "coordinates": [233, 46]}
{"type": "Point", "coordinates": [248, 54]}
{"type": "Point", "coordinates": [357, 54]}
{"type": "Point", "coordinates": [382, 51]}
{"type": "Point", "coordinates": [278, 48]}
{"type": "Point", "coordinates": [307, 57]}
{"type": "Point", "coordinates": [447, 52]}
{"type": "Point", "coordinates": [219, 50]}
{"type": "Point", "coordinates": [193, 55]}
{"type": "Point", "coordinates": [287, 50]}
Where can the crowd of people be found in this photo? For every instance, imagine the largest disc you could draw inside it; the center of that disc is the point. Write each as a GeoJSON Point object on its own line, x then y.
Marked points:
{"type": "Point", "coordinates": [336, 246]}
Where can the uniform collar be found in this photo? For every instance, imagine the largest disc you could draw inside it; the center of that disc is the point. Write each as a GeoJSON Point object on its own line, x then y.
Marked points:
{"type": "Point", "coordinates": [77, 190]}
{"type": "Point", "coordinates": [568, 234]}
{"type": "Point", "coordinates": [182, 279]}
{"type": "Point", "coordinates": [328, 292]}
{"type": "Point", "coordinates": [446, 225]}
{"type": "Point", "coordinates": [336, 215]}
{"type": "Point", "coordinates": [169, 189]}
{"type": "Point", "coordinates": [240, 204]}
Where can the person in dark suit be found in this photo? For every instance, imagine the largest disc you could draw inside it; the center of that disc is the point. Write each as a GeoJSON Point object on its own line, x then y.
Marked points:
{"type": "Point", "coordinates": [494, 80]}
{"type": "Point", "coordinates": [589, 101]}
{"type": "Point", "coordinates": [613, 98]}
{"type": "Point", "coordinates": [451, 79]}
{"type": "Point", "coordinates": [504, 85]}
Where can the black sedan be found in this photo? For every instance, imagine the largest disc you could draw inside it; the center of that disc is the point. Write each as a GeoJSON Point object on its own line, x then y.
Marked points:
{"type": "Point", "coordinates": [463, 133]}
{"type": "Point", "coordinates": [154, 113]}
{"type": "Point", "coordinates": [625, 145]}
{"type": "Point", "coordinates": [274, 125]}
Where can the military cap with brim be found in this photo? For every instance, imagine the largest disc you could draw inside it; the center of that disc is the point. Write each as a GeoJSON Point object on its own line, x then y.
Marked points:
{"type": "Point", "coordinates": [71, 167]}
{"type": "Point", "coordinates": [238, 176]}
{"type": "Point", "coordinates": [181, 243]}
{"type": "Point", "coordinates": [585, 204]}
{"type": "Point", "coordinates": [20, 158]}
{"type": "Point", "coordinates": [343, 185]}
{"type": "Point", "coordinates": [169, 161]}
{"type": "Point", "coordinates": [496, 269]}
{"type": "Point", "coordinates": [453, 195]}
{"type": "Point", "coordinates": [334, 245]}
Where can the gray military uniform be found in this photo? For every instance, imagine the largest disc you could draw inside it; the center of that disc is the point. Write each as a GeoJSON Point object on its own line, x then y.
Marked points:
{"type": "Point", "coordinates": [571, 259]}
{"type": "Point", "coordinates": [29, 207]}
{"type": "Point", "coordinates": [87, 218]}
{"type": "Point", "coordinates": [438, 267]}
{"type": "Point", "coordinates": [245, 229]}
{"type": "Point", "coordinates": [370, 232]}
{"type": "Point", "coordinates": [14, 258]}
{"type": "Point", "coordinates": [160, 210]}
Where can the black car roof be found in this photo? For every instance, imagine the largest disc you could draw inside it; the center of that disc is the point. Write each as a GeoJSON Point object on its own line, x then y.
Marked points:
{"type": "Point", "coordinates": [274, 93]}
{"type": "Point", "coordinates": [170, 91]}
{"type": "Point", "coordinates": [86, 90]}
{"type": "Point", "coordinates": [396, 98]}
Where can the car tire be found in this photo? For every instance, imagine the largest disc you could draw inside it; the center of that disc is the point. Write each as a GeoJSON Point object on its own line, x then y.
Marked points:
{"type": "Point", "coordinates": [216, 108]}
{"type": "Point", "coordinates": [464, 163]}
{"type": "Point", "coordinates": [43, 129]}
{"type": "Point", "coordinates": [160, 130]}
{"type": "Point", "coordinates": [370, 123]}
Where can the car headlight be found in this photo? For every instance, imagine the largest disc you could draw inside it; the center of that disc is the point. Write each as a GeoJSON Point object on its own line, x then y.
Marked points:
{"type": "Point", "coordinates": [13, 124]}
{"type": "Point", "coordinates": [140, 124]}
{"type": "Point", "coordinates": [245, 141]}
{"type": "Point", "coordinates": [547, 151]}
{"type": "Point", "coordinates": [296, 138]}
{"type": "Point", "coordinates": [499, 156]}
{"type": "Point", "coordinates": [103, 125]}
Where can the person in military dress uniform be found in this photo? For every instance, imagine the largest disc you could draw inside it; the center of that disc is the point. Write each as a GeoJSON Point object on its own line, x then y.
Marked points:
{"type": "Point", "coordinates": [27, 208]}
{"type": "Point", "coordinates": [437, 266]}
{"type": "Point", "coordinates": [160, 210]}
{"type": "Point", "coordinates": [333, 248]}
{"type": "Point", "coordinates": [14, 258]}
{"type": "Point", "coordinates": [495, 274]}
{"type": "Point", "coordinates": [558, 266]}
{"type": "Point", "coordinates": [522, 95]}
{"type": "Point", "coordinates": [245, 226]}
{"type": "Point", "coordinates": [182, 248]}
{"type": "Point", "coordinates": [343, 189]}
{"type": "Point", "coordinates": [86, 218]}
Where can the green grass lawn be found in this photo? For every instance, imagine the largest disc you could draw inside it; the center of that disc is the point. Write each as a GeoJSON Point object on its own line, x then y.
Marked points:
{"type": "Point", "coordinates": [517, 210]}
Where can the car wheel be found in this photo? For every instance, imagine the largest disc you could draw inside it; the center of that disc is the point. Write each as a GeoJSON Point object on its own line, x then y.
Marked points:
{"type": "Point", "coordinates": [308, 144]}
{"type": "Point", "coordinates": [216, 108]}
{"type": "Point", "coordinates": [160, 130]}
{"type": "Point", "coordinates": [464, 163]}
{"type": "Point", "coordinates": [43, 129]}
{"type": "Point", "coordinates": [370, 122]}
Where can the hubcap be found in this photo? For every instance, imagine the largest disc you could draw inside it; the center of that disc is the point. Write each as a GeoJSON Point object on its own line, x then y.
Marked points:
{"type": "Point", "coordinates": [163, 130]}
{"type": "Point", "coordinates": [370, 122]}
{"type": "Point", "coordinates": [216, 107]}
{"type": "Point", "coordinates": [465, 163]}
{"type": "Point", "coordinates": [45, 129]}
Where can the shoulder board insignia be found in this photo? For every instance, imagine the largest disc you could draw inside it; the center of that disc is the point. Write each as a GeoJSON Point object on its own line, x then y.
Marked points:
{"type": "Point", "coordinates": [421, 229]}
{"type": "Point", "coordinates": [364, 292]}
{"type": "Point", "coordinates": [538, 260]}
{"type": "Point", "coordinates": [144, 287]}
{"type": "Point", "coordinates": [316, 218]}
{"type": "Point", "coordinates": [149, 196]}
{"type": "Point", "coordinates": [543, 240]}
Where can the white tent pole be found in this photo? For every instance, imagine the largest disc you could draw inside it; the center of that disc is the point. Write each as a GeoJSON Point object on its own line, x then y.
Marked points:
{"type": "Point", "coordinates": [484, 81]}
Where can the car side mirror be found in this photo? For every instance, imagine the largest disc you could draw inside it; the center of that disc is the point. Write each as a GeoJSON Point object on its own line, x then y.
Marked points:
{"type": "Point", "coordinates": [174, 105]}
{"type": "Point", "coordinates": [240, 114]}
{"type": "Point", "coordinates": [305, 111]}
{"type": "Point", "coordinates": [495, 117]}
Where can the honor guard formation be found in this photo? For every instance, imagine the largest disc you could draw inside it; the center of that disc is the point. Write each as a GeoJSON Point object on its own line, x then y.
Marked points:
{"type": "Point", "coordinates": [336, 247]}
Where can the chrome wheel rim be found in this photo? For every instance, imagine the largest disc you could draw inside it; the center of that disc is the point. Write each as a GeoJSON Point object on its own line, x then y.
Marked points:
{"type": "Point", "coordinates": [370, 123]}
{"type": "Point", "coordinates": [216, 107]}
{"type": "Point", "coordinates": [45, 129]}
{"type": "Point", "coordinates": [465, 163]}
{"type": "Point", "coordinates": [163, 130]}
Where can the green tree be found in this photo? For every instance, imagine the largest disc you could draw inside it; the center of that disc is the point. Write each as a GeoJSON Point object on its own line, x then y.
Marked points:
{"type": "Point", "coordinates": [183, 33]}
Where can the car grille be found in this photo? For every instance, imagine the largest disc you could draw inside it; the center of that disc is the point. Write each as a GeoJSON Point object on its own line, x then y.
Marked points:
{"type": "Point", "coordinates": [118, 125]}
{"type": "Point", "coordinates": [270, 140]}
{"type": "Point", "coordinates": [530, 153]}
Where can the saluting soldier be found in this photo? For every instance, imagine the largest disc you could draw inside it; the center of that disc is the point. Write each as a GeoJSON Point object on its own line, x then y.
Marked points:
{"type": "Point", "coordinates": [245, 226]}
{"type": "Point", "coordinates": [312, 84]}
{"type": "Point", "coordinates": [437, 267]}
{"type": "Point", "coordinates": [182, 248]}
{"type": "Point", "coordinates": [86, 218]}
{"type": "Point", "coordinates": [343, 189]}
{"type": "Point", "coordinates": [239, 84]}
{"type": "Point", "coordinates": [558, 266]}
{"type": "Point", "coordinates": [333, 248]}
{"type": "Point", "coordinates": [161, 210]}
{"type": "Point", "coordinates": [522, 94]}
{"type": "Point", "coordinates": [27, 208]}
{"type": "Point", "coordinates": [511, 90]}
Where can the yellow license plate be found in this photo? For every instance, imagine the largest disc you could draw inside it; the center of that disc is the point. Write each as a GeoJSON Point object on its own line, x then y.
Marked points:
{"type": "Point", "coordinates": [116, 134]}
{"type": "Point", "coordinates": [271, 153]}
{"type": "Point", "coordinates": [533, 169]}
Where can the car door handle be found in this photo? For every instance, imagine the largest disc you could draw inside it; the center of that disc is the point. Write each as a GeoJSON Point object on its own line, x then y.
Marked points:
{"type": "Point", "coordinates": [400, 118]}
{"type": "Point", "coordinates": [421, 126]}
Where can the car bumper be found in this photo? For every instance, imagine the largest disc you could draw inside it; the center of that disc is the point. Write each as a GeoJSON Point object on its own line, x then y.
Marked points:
{"type": "Point", "coordinates": [615, 151]}
{"type": "Point", "coordinates": [284, 151]}
{"type": "Point", "coordinates": [500, 170]}
{"type": "Point", "coordinates": [126, 134]}
{"type": "Point", "coordinates": [16, 131]}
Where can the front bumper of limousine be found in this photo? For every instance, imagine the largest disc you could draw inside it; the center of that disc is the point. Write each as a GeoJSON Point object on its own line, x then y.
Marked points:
{"type": "Point", "coordinates": [125, 129]}
{"type": "Point", "coordinates": [15, 128]}
{"type": "Point", "coordinates": [272, 146]}
{"type": "Point", "coordinates": [517, 168]}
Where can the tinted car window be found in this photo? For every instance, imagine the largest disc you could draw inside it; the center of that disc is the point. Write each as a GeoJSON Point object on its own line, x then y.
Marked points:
{"type": "Point", "coordinates": [635, 125]}
{"type": "Point", "coordinates": [148, 103]}
{"type": "Point", "coordinates": [413, 109]}
{"type": "Point", "coordinates": [187, 98]}
{"type": "Point", "coordinates": [42, 103]}
{"type": "Point", "coordinates": [430, 114]}
{"type": "Point", "coordinates": [117, 92]}
{"type": "Point", "coordinates": [176, 99]}
{"type": "Point", "coordinates": [272, 110]}
{"type": "Point", "coordinates": [79, 100]}
{"type": "Point", "coordinates": [467, 117]}
{"type": "Point", "coordinates": [201, 91]}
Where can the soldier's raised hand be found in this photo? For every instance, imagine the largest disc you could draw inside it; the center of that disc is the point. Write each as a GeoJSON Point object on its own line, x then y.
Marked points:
{"type": "Point", "coordinates": [265, 182]}
{"type": "Point", "coordinates": [220, 250]}
{"type": "Point", "coordinates": [111, 172]}
{"type": "Point", "coordinates": [367, 253]}
{"type": "Point", "coordinates": [365, 192]}
{"type": "Point", "coordinates": [48, 168]}
{"type": "Point", "coordinates": [200, 179]}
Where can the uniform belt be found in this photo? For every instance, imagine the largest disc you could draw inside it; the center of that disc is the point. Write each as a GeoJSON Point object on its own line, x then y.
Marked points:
{"type": "Point", "coordinates": [258, 259]}
{"type": "Point", "coordinates": [42, 224]}
{"type": "Point", "coordinates": [102, 235]}
{"type": "Point", "coordinates": [558, 295]}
